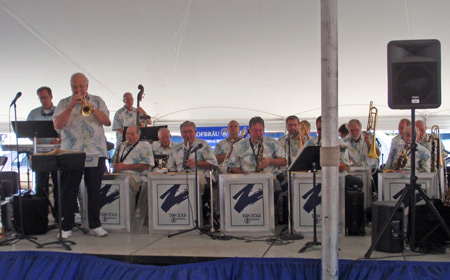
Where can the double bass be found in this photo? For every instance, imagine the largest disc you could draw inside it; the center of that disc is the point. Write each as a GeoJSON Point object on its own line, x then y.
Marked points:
{"type": "Point", "coordinates": [139, 99]}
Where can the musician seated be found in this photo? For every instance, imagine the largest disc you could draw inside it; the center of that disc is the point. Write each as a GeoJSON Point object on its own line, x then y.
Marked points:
{"type": "Point", "coordinates": [359, 146]}
{"type": "Point", "coordinates": [426, 140]}
{"type": "Point", "coordinates": [182, 159]}
{"type": "Point", "coordinates": [402, 155]}
{"type": "Point", "coordinates": [162, 148]}
{"type": "Point", "coordinates": [257, 154]}
{"type": "Point", "coordinates": [134, 157]}
{"type": "Point", "coordinates": [224, 148]}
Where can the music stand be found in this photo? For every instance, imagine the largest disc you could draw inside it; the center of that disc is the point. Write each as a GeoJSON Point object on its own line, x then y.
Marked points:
{"type": "Point", "coordinates": [147, 133]}
{"type": "Point", "coordinates": [34, 130]}
{"type": "Point", "coordinates": [60, 162]}
{"type": "Point", "coordinates": [309, 160]}
{"type": "Point", "coordinates": [290, 235]}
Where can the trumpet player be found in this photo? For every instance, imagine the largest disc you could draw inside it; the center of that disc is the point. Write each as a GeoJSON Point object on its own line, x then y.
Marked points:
{"type": "Point", "coordinates": [423, 156]}
{"type": "Point", "coordinates": [397, 141]}
{"type": "Point", "coordinates": [225, 147]}
{"type": "Point", "coordinates": [86, 134]}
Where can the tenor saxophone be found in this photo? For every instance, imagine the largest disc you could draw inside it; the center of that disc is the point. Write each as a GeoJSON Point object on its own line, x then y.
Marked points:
{"type": "Point", "coordinates": [259, 157]}
{"type": "Point", "coordinates": [116, 157]}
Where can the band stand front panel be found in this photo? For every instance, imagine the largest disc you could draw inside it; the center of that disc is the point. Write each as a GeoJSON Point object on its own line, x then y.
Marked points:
{"type": "Point", "coordinates": [303, 202]}
{"type": "Point", "coordinates": [172, 203]}
{"type": "Point", "coordinates": [246, 203]}
{"type": "Point", "coordinates": [391, 185]}
{"type": "Point", "coordinates": [115, 203]}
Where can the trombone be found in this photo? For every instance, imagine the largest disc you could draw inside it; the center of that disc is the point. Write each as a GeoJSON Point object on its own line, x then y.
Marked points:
{"type": "Point", "coordinates": [371, 127]}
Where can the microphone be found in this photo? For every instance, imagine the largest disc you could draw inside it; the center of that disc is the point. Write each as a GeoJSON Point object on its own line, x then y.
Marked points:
{"type": "Point", "coordinates": [18, 95]}
{"type": "Point", "coordinates": [197, 148]}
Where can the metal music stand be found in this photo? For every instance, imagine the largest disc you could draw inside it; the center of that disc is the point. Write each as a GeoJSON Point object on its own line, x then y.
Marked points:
{"type": "Point", "coordinates": [147, 133]}
{"type": "Point", "coordinates": [290, 235]}
{"type": "Point", "coordinates": [60, 162]}
{"type": "Point", "coordinates": [309, 160]}
{"type": "Point", "coordinates": [34, 130]}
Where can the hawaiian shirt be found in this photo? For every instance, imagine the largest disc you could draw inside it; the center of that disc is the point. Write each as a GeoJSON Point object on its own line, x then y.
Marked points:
{"type": "Point", "coordinates": [141, 154]}
{"type": "Point", "coordinates": [123, 118]}
{"type": "Point", "coordinates": [357, 152]}
{"type": "Point", "coordinates": [83, 133]}
{"type": "Point", "coordinates": [205, 153]}
{"type": "Point", "coordinates": [397, 141]}
{"type": "Point", "coordinates": [423, 159]}
{"type": "Point", "coordinates": [244, 156]}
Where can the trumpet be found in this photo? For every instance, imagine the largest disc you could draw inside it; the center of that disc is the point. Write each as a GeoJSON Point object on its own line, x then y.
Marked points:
{"type": "Point", "coordinates": [402, 159]}
{"type": "Point", "coordinates": [86, 109]}
{"type": "Point", "coordinates": [371, 127]}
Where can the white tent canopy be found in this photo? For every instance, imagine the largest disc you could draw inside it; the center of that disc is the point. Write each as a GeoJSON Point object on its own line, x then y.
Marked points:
{"type": "Point", "coordinates": [212, 61]}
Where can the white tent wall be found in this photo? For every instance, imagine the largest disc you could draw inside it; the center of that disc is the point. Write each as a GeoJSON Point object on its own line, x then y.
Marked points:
{"type": "Point", "coordinates": [212, 61]}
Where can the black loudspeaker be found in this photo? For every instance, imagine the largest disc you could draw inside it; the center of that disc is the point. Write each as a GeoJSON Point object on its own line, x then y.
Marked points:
{"type": "Point", "coordinates": [430, 235]}
{"type": "Point", "coordinates": [391, 240]}
{"type": "Point", "coordinates": [414, 74]}
{"type": "Point", "coordinates": [34, 212]}
{"type": "Point", "coordinates": [354, 213]}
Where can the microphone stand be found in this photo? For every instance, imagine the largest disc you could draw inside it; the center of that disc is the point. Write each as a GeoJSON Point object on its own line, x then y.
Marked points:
{"type": "Point", "coordinates": [196, 227]}
{"type": "Point", "coordinates": [19, 235]}
{"type": "Point", "coordinates": [290, 235]}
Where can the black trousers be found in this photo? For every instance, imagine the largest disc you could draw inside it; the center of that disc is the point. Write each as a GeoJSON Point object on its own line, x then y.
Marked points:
{"type": "Point", "coordinates": [70, 181]}
{"type": "Point", "coordinates": [42, 188]}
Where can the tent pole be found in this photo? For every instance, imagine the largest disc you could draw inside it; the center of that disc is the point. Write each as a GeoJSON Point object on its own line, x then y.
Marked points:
{"type": "Point", "coordinates": [329, 110]}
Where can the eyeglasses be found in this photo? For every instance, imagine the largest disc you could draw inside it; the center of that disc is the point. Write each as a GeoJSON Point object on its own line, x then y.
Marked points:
{"type": "Point", "coordinates": [43, 97]}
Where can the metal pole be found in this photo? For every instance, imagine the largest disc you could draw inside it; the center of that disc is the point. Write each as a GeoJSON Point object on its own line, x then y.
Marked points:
{"type": "Point", "coordinates": [329, 154]}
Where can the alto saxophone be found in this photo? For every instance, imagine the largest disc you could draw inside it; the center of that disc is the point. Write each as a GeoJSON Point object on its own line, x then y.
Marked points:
{"type": "Point", "coordinates": [242, 135]}
{"type": "Point", "coordinates": [259, 157]}
{"type": "Point", "coordinates": [402, 159]}
{"type": "Point", "coordinates": [187, 151]}
{"type": "Point", "coordinates": [116, 157]}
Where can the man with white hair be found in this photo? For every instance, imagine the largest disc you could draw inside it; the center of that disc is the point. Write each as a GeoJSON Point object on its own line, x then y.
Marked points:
{"type": "Point", "coordinates": [84, 134]}
{"type": "Point", "coordinates": [423, 156]}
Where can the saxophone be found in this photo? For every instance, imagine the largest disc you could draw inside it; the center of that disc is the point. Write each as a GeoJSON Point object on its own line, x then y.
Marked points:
{"type": "Point", "coordinates": [116, 157]}
{"type": "Point", "coordinates": [187, 151]}
{"type": "Point", "coordinates": [242, 135]}
{"type": "Point", "coordinates": [259, 157]}
{"type": "Point", "coordinates": [402, 159]}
